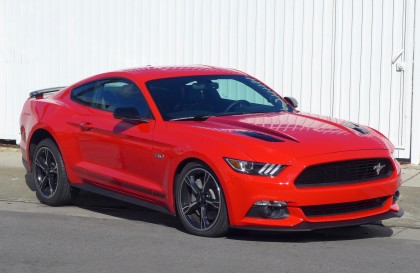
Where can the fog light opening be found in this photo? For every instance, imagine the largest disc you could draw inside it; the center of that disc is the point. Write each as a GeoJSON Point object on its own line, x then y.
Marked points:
{"type": "Point", "coordinates": [395, 197]}
{"type": "Point", "coordinates": [269, 210]}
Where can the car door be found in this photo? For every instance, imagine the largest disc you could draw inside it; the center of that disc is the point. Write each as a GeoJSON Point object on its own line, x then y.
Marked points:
{"type": "Point", "coordinates": [117, 153]}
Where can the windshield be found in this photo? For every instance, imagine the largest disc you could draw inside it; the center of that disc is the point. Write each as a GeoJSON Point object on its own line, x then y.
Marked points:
{"type": "Point", "coordinates": [215, 95]}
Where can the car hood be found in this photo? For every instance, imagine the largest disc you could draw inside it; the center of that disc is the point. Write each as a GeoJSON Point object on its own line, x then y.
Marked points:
{"type": "Point", "coordinates": [300, 134]}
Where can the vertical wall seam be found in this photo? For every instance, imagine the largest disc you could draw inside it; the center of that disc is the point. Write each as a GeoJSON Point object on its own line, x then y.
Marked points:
{"type": "Point", "coordinates": [284, 26]}
{"type": "Point", "coordinates": [322, 55]}
{"type": "Point", "coordinates": [380, 66]}
{"type": "Point", "coordinates": [312, 57]}
{"type": "Point", "coordinates": [392, 53]}
{"type": "Point", "coordinates": [351, 58]}
{"type": "Point", "coordinates": [341, 59]}
{"type": "Point", "coordinates": [403, 75]}
{"type": "Point", "coordinates": [360, 67]}
{"type": "Point", "coordinates": [293, 46]}
{"type": "Point", "coordinates": [301, 59]}
{"type": "Point", "coordinates": [332, 83]}
{"type": "Point", "coordinates": [370, 63]}
{"type": "Point", "coordinates": [412, 80]}
{"type": "Point", "coordinates": [274, 45]}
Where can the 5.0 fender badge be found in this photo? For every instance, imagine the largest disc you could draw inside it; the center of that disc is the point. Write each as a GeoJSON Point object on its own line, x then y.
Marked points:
{"type": "Point", "coordinates": [157, 155]}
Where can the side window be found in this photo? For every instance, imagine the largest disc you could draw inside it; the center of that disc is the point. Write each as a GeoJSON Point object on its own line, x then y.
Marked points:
{"type": "Point", "coordinates": [83, 94]}
{"type": "Point", "coordinates": [119, 93]}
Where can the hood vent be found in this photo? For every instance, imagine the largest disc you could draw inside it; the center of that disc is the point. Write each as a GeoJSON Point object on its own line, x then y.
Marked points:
{"type": "Point", "coordinates": [356, 127]}
{"type": "Point", "coordinates": [259, 136]}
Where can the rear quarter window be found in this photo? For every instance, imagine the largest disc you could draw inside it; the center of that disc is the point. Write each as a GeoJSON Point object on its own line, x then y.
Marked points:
{"type": "Point", "coordinates": [83, 94]}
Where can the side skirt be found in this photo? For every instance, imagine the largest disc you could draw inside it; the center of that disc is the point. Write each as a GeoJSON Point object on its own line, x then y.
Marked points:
{"type": "Point", "coordinates": [122, 197]}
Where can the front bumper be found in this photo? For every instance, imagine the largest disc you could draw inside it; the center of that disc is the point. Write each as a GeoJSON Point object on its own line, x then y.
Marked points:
{"type": "Point", "coordinates": [242, 191]}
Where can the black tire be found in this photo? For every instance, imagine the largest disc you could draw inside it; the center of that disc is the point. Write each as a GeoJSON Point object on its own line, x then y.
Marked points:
{"type": "Point", "coordinates": [50, 177]}
{"type": "Point", "coordinates": [200, 202]}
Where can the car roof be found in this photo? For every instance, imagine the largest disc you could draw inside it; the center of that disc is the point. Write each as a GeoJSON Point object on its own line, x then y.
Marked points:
{"type": "Point", "coordinates": [158, 72]}
{"type": "Point", "coordinates": [147, 73]}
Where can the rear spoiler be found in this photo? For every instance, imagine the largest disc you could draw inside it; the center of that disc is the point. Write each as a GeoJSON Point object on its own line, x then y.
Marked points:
{"type": "Point", "coordinates": [40, 92]}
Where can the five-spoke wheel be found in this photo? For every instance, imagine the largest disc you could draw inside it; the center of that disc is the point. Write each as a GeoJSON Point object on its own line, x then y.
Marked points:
{"type": "Point", "coordinates": [200, 202]}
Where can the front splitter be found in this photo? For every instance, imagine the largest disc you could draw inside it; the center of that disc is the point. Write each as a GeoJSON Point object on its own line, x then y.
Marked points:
{"type": "Point", "coordinates": [309, 226]}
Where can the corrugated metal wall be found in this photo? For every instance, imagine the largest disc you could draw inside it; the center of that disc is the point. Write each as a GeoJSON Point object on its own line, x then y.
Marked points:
{"type": "Point", "coordinates": [334, 56]}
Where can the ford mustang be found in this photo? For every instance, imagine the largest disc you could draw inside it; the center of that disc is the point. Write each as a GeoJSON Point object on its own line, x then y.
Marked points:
{"type": "Point", "coordinates": [213, 146]}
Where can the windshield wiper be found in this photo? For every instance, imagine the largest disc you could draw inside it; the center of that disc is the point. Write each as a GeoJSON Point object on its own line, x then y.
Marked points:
{"type": "Point", "coordinates": [267, 112]}
{"type": "Point", "coordinates": [205, 117]}
{"type": "Point", "coordinates": [229, 114]}
{"type": "Point", "coordinates": [194, 118]}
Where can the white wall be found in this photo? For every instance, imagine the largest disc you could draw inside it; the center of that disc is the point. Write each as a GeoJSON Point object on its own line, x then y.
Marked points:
{"type": "Point", "coordinates": [415, 147]}
{"type": "Point", "coordinates": [334, 56]}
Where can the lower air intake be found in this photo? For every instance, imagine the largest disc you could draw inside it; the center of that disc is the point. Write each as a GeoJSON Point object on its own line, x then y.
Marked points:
{"type": "Point", "coordinates": [343, 208]}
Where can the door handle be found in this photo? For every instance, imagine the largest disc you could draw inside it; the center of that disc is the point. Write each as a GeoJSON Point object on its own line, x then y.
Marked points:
{"type": "Point", "coordinates": [86, 126]}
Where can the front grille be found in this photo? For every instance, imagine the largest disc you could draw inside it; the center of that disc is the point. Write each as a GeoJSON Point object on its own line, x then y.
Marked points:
{"type": "Point", "coordinates": [343, 208]}
{"type": "Point", "coordinates": [344, 172]}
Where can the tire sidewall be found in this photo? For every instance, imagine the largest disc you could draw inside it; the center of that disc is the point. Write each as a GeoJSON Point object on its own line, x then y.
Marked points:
{"type": "Point", "coordinates": [62, 183]}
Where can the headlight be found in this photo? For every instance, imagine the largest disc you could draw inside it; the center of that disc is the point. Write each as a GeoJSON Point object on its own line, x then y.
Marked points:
{"type": "Point", "coordinates": [255, 168]}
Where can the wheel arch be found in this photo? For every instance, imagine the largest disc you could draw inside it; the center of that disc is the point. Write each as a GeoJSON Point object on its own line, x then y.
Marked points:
{"type": "Point", "coordinates": [181, 165]}
{"type": "Point", "coordinates": [36, 137]}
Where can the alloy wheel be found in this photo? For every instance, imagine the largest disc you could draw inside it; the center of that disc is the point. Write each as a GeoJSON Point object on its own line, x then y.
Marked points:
{"type": "Point", "coordinates": [46, 172]}
{"type": "Point", "coordinates": [200, 199]}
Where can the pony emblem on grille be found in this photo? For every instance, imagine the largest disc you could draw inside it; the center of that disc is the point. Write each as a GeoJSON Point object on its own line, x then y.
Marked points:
{"type": "Point", "coordinates": [378, 167]}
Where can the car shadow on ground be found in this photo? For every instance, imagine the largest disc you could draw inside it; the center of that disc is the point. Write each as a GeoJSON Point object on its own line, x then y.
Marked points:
{"type": "Point", "coordinates": [119, 209]}
{"type": "Point", "coordinates": [115, 208]}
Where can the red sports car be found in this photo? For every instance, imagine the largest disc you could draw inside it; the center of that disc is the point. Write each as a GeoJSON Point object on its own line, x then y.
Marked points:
{"type": "Point", "coordinates": [214, 146]}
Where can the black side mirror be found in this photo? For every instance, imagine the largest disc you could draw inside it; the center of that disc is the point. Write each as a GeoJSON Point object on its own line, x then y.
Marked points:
{"type": "Point", "coordinates": [292, 101]}
{"type": "Point", "coordinates": [128, 113]}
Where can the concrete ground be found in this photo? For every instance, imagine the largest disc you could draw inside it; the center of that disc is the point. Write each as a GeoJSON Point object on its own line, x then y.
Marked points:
{"type": "Point", "coordinates": [98, 234]}
{"type": "Point", "coordinates": [16, 196]}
